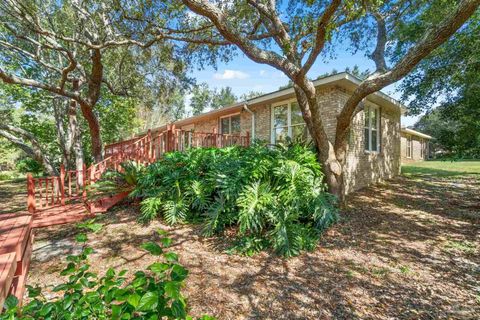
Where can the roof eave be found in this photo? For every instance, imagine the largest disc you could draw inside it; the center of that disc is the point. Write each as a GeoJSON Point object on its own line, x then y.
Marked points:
{"type": "Point", "coordinates": [416, 133]}
{"type": "Point", "coordinates": [337, 78]}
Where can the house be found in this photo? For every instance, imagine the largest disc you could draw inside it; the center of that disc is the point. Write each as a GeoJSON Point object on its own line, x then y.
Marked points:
{"type": "Point", "coordinates": [374, 142]}
{"type": "Point", "coordinates": [415, 146]}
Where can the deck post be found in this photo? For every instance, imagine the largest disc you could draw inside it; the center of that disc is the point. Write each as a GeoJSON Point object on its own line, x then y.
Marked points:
{"type": "Point", "coordinates": [174, 138]}
{"type": "Point", "coordinates": [62, 184]}
{"type": "Point", "coordinates": [168, 139]}
{"type": "Point", "coordinates": [84, 182]}
{"type": "Point", "coordinates": [31, 193]}
{"type": "Point", "coordinates": [248, 139]}
{"type": "Point", "coordinates": [149, 146]}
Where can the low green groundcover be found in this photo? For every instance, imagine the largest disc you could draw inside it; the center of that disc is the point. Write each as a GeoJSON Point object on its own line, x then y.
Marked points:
{"type": "Point", "coordinates": [152, 294]}
{"type": "Point", "coordinates": [274, 195]}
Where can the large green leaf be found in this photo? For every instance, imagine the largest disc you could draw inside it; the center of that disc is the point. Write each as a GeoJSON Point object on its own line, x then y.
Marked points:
{"type": "Point", "coordinates": [153, 248]}
{"type": "Point", "coordinates": [148, 302]}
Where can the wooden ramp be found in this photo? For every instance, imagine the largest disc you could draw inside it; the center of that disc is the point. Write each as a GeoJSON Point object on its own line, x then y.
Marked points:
{"type": "Point", "coordinates": [60, 215]}
{"type": "Point", "coordinates": [16, 242]}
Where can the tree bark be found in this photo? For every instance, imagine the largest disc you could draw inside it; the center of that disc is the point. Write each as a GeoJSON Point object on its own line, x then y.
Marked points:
{"type": "Point", "coordinates": [94, 89]}
{"type": "Point", "coordinates": [74, 129]}
{"type": "Point", "coordinates": [95, 137]}
{"type": "Point", "coordinates": [332, 168]}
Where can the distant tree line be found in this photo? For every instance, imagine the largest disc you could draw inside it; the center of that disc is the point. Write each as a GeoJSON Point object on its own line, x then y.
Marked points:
{"type": "Point", "coordinates": [447, 86]}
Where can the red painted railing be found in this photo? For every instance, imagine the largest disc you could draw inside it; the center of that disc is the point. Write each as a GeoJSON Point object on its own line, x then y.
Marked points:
{"type": "Point", "coordinates": [70, 185]}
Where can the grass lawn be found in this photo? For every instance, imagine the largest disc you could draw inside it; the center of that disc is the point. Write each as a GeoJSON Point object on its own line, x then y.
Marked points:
{"type": "Point", "coordinates": [442, 168]}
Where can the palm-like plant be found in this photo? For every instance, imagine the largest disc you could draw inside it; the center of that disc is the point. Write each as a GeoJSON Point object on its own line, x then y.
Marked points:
{"type": "Point", "coordinates": [114, 182]}
{"type": "Point", "coordinates": [276, 196]}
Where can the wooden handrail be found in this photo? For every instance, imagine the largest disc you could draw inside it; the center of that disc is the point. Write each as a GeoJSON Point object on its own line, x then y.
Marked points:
{"type": "Point", "coordinates": [57, 190]}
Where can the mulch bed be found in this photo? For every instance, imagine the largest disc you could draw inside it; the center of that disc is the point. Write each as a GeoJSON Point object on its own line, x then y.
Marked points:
{"type": "Point", "coordinates": [408, 249]}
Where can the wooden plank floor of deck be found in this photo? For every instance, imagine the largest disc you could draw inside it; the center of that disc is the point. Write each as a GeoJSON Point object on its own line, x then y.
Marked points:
{"type": "Point", "coordinates": [16, 239]}
{"type": "Point", "coordinates": [60, 215]}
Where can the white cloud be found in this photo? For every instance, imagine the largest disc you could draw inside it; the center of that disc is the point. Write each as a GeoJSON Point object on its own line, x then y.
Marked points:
{"type": "Point", "coordinates": [262, 72]}
{"type": "Point", "coordinates": [231, 74]}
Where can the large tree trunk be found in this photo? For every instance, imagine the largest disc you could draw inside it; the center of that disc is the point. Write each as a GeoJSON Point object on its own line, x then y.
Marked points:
{"type": "Point", "coordinates": [94, 126]}
{"type": "Point", "coordinates": [69, 134]}
{"type": "Point", "coordinates": [74, 129]}
{"type": "Point", "coordinates": [332, 167]}
{"type": "Point", "coordinates": [78, 152]}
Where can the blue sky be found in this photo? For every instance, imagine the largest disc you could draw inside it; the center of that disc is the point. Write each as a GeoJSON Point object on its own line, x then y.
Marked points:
{"type": "Point", "coordinates": [244, 75]}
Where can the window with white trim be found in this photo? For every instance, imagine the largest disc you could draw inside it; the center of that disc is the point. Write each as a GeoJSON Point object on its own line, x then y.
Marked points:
{"type": "Point", "coordinates": [372, 129]}
{"type": "Point", "coordinates": [230, 124]}
{"type": "Point", "coordinates": [287, 121]}
{"type": "Point", "coordinates": [409, 146]}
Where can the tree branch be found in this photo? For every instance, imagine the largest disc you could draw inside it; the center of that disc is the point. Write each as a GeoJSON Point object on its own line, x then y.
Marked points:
{"type": "Point", "coordinates": [378, 55]}
{"type": "Point", "coordinates": [431, 40]}
{"type": "Point", "coordinates": [34, 151]}
{"type": "Point", "coordinates": [208, 10]}
{"type": "Point", "coordinates": [12, 79]}
{"type": "Point", "coordinates": [321, 34]}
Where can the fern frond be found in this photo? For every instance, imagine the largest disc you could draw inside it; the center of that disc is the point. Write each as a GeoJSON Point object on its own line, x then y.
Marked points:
{"type": "Point", "coordinates": [212, 218]}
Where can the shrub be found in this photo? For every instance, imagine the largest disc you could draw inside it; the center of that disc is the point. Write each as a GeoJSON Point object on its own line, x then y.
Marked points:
{"type": "Point", "coordinates": [27, 165]}
{"type": "Point", "coordinates": [276, 196]}
{"type": "Point", "coordinates": [152, 294]}
{"type": "Point", "coordinates": [114, 182]}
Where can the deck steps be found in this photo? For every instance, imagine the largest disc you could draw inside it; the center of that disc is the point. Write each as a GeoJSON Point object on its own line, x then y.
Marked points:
{"type": "Point", "coordinates": [16, 240]}
{"type": "Point", "coordinates": [8, 266]}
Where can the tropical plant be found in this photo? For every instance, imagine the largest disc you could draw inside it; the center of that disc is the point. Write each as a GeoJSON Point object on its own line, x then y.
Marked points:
{"type": "Point", "coordinates": [152, 294]}
{"type": "Point", "coordinates": [275, 196]}
{"type": "Point", "coordinates": [114, 182]}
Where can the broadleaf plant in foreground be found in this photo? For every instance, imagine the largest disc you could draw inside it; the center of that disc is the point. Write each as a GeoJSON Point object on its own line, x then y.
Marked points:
{"type": "Point", "coordinates": [152, 294]}
{"type": "Point", "coordinates": [275, 197]}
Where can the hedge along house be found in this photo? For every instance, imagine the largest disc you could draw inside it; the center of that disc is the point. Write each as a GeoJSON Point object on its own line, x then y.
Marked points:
{"type": "Point", "coordinates": [374, 142]}
{"type": "Point", "coordinates": [415, 146]}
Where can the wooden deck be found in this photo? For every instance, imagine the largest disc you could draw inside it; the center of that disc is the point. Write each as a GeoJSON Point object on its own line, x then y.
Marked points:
{"type": "Point", "coordinates": [60, 215]}
{"type": "Point", "coordinates": [16, 242]}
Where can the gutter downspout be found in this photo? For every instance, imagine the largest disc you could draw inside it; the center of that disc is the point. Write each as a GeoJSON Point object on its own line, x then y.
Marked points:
{"type": "Point", "coordinates": [253, 120]}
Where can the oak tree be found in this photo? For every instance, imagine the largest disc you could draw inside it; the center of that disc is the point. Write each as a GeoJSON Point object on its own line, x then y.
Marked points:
{"type": "Point", "coordinates": [292, 36]}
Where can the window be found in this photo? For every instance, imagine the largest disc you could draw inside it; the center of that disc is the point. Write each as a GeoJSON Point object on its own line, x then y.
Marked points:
{"type": "Point", "coordinates": [287, 121]}
{"type": "Point", "coordinates": [409, 146]}
{"type": "Point", "coordinates": [372, 129]}
{"type": "Point", "coordinates": [230, 124]}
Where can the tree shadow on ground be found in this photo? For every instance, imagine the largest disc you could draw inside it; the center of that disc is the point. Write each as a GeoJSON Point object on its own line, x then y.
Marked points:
{"type": "Point", "coordinates": [398, 252]}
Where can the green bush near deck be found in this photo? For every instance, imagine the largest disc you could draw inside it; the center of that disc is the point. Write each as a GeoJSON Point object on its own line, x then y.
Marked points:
{"type": "Point", "coordinates": [275, 196]}
{"type": "Point", "coordinates": [154, 293]}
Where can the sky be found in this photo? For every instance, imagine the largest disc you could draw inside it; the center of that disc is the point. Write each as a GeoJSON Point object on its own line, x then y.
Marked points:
{"type": "Point", "coordinates": [244, 75]}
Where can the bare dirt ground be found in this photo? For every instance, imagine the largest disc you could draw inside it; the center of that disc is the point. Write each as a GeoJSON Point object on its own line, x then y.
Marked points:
{"type": "Point", "coordinates": [13, 196]}
{"type": "Point", "coordinates": [407, 249]}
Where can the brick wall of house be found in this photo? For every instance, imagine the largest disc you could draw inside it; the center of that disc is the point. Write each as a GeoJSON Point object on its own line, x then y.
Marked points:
{"type": "Point", "coordinates": [417, 144]}
{"type": "Point", "coordinates": [209, 125]}
{"type": "Point", "coordinates": [362, 168]}
{"type": "Point", "coordinates": [262, 121]}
